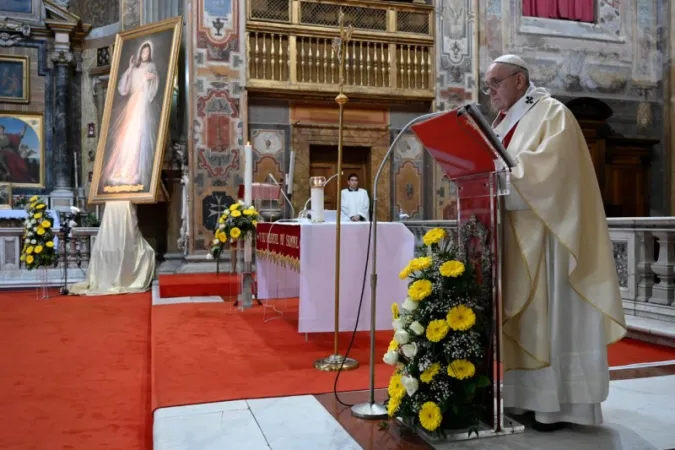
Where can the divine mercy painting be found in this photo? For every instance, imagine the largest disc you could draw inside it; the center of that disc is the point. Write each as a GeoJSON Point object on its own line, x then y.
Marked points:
{"type": "Point", "coordinates": [137, 110]}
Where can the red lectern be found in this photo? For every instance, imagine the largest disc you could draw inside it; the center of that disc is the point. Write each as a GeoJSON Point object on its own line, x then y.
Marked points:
{"type": "Point", "coordinates": [471, 155]}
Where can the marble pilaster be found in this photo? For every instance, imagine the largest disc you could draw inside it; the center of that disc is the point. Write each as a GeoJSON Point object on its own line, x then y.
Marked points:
{"type": "Point", "coordinates": [62, 196]}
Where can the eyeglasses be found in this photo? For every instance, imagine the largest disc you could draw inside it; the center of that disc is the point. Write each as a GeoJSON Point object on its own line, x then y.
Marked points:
{"type": "Point", "coordinates": [494, 85]}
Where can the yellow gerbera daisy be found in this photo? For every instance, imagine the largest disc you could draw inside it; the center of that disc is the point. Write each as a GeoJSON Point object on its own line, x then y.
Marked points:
{"type": "Point", "coordinates": [461, 369]}
{"type": "Point", "coordinates": [433, 236]}
{"type": "Point", "coordinates": [37, 215]}
{"type": "Point", "coordinates": [420, 290]}
{"type": "Point", "coordinates": [221, 219]}
{"type": "Point", "coordinates": [40, 231]}
{"type": "Point", "coordinates": [29, 250]}
{"type": "Point", "coordinates": [461, 318]}
{"type": "Point", "coordinates": [430, 416]}
{"type": "Point", "coordinates": [393, 405]}
{"type": "Point", "coordinates": [248, 212]}
{"type": "Point", "coordinates": [421, 263]}
{"type": "Point", "coordinates": [38, 249]}
{"type": "Point", "coordinates": [452, 268]}
{"type": "Point", "coordinates": [221, 236]}
{"type": "Point", "coordinates": [22, 258]}
{"type": "Point", "coordinates": [428, 375]}
{"type": "Point", "coordinates": [395, 311]}
{"type": "Point", "coordinates": [234, 206]}
{"type": "Point", "coordinates": [437, 330]}
{"type": "Point", "coordinates": [235, 232]}
{"type": "Point", "coordinates": [396, 389]}
{"type": "Point", "coordinates": [33, 199]}
{"type": "Point", "coordinates": [393, 346]}
{"type": "Point", "coordinates": [46, 224]}
{"type": "Point", "coordinates": [41, 206]}
{"type": "Point", "coordinates": [50, 244]}
{"type": "Point", "coordinates": [405, 273]}
{"type": "Point", "coordinates": [254, 223]}
{"type": "Point", "coordinates": [236, 213]}
{"type": "Point", "coordinates": [30, 259]}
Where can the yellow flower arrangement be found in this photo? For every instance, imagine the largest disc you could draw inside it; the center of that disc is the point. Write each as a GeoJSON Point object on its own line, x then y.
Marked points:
{"type": "Point", "coordinates": [428, 375]}
{"type": "Point", "coordinates": [442, 325]}
{"type": "Point", "coordinates": [434, 236]}
{"type": "Point", "coordinates": [461, 318]}
{"type": "Point", "coordinates": [237, 221]}
{"type": "Point", "coordinates": [38, 238]}
{"type": "Point", "coordinates": [430, 416]}
{"type": "Point", "coordinates": [420, 290]}
{"type": "Point", "coordinates": [437, 330]}
{"type": "Point", "coordinates": [452, 268]}
{"type": "Point", "coordinates": [461, 369]}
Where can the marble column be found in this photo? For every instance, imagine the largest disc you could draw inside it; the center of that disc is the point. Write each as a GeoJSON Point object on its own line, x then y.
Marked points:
{"type": "Point", "coordinates": [62, 196]}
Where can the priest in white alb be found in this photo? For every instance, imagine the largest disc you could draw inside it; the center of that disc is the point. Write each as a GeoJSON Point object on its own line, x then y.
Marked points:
{"type": "Point", "coordinates": [561, 300]}
{"type": "Point", "coordinates": [355, 201]}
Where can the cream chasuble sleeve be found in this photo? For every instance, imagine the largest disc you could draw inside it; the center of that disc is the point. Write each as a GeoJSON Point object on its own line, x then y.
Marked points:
{"type": "Point", "coordinates": [555, 179]}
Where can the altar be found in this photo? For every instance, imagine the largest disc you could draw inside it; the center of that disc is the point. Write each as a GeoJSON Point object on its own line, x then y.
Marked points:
{"type": "Point", "coordinates": [298, 260]}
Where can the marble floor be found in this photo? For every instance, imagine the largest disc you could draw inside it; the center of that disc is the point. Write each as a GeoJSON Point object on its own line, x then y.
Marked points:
{"type": "Point", "coordinates": [639, 415]}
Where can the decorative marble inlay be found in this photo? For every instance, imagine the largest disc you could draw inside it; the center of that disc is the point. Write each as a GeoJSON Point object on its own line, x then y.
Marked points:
{"type": "Point", "coordinates": [621, 259]}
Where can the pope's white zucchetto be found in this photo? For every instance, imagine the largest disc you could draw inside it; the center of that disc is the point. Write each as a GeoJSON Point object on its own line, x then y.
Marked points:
{"type": "Point", "coordinates": [513, 60]}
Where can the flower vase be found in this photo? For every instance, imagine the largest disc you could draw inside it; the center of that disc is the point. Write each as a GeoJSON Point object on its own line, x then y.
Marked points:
{"type": "Point", "coordinates": [42, 283]}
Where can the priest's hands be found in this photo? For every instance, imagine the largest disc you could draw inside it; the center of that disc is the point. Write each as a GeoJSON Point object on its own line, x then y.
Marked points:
{"type": "Point", "coordinates": [355, 218]}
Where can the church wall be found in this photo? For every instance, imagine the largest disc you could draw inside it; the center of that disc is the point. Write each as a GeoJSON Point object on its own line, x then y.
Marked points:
{"type": "Point", "coordinates": [618, 60]}
{"type": "Point", "coordinates": [218, 108]}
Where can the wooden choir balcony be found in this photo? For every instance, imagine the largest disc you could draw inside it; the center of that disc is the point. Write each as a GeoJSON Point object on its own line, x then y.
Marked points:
{"type": "Point", "coordinates": [390, 54]}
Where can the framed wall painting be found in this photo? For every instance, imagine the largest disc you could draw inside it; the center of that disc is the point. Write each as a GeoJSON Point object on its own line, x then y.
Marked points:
{"type": "Point", "coordinates": [14, 79]}
{"type": "Point", "coordinates": [135, 125]}
{"type": "Point", "coordinates": [22, 10]}
{"type": "Point", "coordinates": [22, 150]}
{"type": "Point", "coordinates": [5, 196]}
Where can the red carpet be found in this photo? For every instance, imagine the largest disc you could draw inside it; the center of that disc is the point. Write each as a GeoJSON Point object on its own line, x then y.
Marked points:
{"type": "Point", "coordinates": [223, 285]}
{"type": "Point", "coordinates": [211, 352]}
{"type": "Point", "coordinates": [74, 372]}
{"type": "Point", "coordinates": [630, 351]}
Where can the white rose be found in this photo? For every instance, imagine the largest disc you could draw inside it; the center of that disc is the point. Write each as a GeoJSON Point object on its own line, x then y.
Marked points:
{"type": "Point", "coordinates": [216, 242]}
{"type": "Point", "coordinates": [33, 241]}
{"type": "Point", "coordinates": [409, 304]}
{"type": "Point", "coordinates": [398, 324]}
{"type": "Point", "coordinates": [29, 233]}
{"type": "Point", "coordinates": [409, 350]}
{"type": "Point", "coordinates": [74, 210]}
{"type": "Point", "coordinates": [221, 226]}
{"type": "Point", "coordinates": [410, 384]}
{"type": "Point", "coordinates": [417, 328]}
{"type": "Point", "coordinates": [402, 337]}
{"type": "Point", "coordinates": [241, 202]}
{"type": "Point", "coordinates": [390, 358]}
{"type": "Point", "coordinates": [209, 256]}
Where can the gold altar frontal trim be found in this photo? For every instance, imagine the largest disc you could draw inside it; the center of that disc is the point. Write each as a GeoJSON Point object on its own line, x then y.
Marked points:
{"type": "Point", "coordinates": [278, 258]}
{"type": "Point", "coordinates": [123, 188]}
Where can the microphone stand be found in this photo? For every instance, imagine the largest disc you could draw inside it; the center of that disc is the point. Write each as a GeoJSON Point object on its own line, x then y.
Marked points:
{"type": "Point", "coordinates": [370, 409]}
{"type": "Point", "coordinates": [66, 240]}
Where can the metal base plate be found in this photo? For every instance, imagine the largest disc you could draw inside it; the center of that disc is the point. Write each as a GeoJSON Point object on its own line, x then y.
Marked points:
{"type": "Point", "coordinates": [370, 411]}
{"type": "Point", "coordinates": [334, 362]}
{"type": "Point", "coordinates": [509, 427]}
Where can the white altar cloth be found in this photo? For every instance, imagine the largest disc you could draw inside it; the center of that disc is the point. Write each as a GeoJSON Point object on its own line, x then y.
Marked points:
{"type": "Point", "coordinates": [314, 283]}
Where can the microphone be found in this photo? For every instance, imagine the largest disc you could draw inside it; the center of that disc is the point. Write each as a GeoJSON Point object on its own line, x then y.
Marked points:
{"type": "Point", "coordinates": [269, 175]}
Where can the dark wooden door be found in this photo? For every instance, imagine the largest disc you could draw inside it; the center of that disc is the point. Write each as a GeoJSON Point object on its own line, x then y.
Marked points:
{"type": "Point", "coordinates": [323, 162]}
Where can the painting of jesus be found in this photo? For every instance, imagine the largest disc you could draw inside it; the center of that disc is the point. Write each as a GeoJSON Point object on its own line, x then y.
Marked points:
{"type": "Point", "coordinates": [135, 120]}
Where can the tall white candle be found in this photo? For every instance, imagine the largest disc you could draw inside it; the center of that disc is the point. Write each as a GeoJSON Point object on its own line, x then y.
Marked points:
{"type": "Point", "coordinates": [248, 173]}
{"type": "Point", "coordinates": [291, 174]}
{"type": "Point", "coordinates": [317, 205]}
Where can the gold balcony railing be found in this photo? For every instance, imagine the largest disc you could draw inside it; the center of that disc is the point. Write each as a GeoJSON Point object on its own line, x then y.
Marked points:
{"type": "Point", "coordinates": [391, 53]}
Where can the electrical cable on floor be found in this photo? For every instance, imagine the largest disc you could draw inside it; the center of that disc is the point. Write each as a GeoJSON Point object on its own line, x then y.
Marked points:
{"type": "Point", "coordinates": [358, 316]}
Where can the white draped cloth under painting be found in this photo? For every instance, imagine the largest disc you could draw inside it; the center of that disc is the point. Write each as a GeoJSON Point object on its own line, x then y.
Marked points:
{"type": "Point", "coordinates": [562, 304]}
{"type": "Point", "coordinates": [121, 261]}
{"type": "Point", "coordinates": [133, 132]}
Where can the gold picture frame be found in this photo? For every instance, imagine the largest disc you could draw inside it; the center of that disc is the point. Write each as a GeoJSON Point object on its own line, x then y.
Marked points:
{"type": "Point", "coordinates": [135, 121]}
{"type": "Point", "coordinates": [5, 195]}
{"type": "Point", "coordinates": [12, 89]}
{"type": "Point", "coordinates": [22, 142]}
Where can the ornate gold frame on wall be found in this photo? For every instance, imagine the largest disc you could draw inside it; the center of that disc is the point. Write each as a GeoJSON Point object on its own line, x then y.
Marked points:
{"type": "Point", "coordinates": [152, 196]}
{"type": "Point", "coordinates": [39, 129]}
{"type": "Point", "coordinates": [26, 79]}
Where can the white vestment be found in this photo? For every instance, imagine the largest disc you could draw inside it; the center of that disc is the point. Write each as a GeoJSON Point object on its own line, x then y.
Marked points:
{"type": "Point", "coordinates": [562, 304]}
{"type": "Point", "coordinates": [355, 203]}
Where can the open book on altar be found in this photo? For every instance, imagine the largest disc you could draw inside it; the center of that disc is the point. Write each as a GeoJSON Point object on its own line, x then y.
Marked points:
{"type": "Point", "coordinates": [463, 143]}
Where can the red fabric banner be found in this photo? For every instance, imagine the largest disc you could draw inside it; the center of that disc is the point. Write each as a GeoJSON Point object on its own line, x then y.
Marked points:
{"type": "Point", "coordinates": [278, 241]}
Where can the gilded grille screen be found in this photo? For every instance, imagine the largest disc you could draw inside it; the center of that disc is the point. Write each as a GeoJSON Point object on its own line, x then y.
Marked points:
{"type": "Point", "coordinates": [273, 10]}
{"type": "Point", "coordinates": [326, 14]}
{"type": "Point", "coordinates": [412, 22]}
